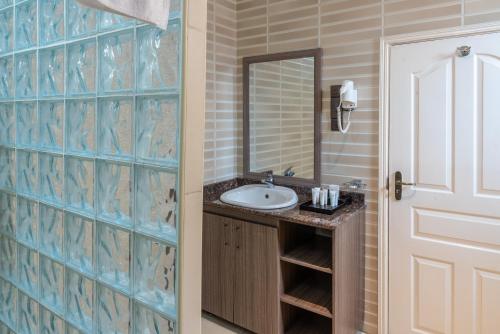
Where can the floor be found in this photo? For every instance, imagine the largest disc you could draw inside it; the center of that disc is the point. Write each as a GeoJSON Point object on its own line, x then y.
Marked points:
{"type": "Point", "coordinates": [211, 325]}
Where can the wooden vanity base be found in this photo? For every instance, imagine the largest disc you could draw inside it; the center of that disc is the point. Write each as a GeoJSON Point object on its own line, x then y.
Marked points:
{"type": "Point", "coordinates": [271, 276]}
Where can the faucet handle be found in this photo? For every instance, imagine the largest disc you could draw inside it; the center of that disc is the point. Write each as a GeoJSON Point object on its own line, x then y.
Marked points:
{"type": "Point", "coordinates": [269, 174]}
{"type": "Point", "coordinates": [269, 177]}
{"type": "Point", "coordinates": [289, 172]}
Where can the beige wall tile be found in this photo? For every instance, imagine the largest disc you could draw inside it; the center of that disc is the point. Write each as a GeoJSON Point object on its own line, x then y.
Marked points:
{"type": "Point", "coordinates": [191, 175]}
{"type": "Point", "coordinates": [482, 11]}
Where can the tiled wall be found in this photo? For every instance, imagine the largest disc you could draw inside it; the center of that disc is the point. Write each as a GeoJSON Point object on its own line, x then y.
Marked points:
{"type": "Point", "coordinates": [349, 32]}
{"type": "Point", "coordinates": [223, 126]}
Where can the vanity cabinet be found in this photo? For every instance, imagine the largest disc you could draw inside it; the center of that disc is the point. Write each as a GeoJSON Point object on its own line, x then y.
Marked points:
{"type": "Point", "coordinates": [284, 273]}
{"type": "Point", "coordinates": [240, 272]}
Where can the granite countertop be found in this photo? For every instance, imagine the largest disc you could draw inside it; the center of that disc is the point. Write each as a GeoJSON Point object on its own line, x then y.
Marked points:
{"type": "Point", "coordinates": [213, 192]}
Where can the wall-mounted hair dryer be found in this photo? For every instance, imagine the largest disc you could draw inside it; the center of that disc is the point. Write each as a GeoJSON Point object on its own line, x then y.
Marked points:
{"type": "Point", "coordinates": [348, 103]}
{"type": "Point", "coordinates": [344, 99]}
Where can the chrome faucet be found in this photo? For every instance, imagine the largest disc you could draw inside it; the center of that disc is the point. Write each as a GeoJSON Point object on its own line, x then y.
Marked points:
{"type": "Point", "coordinates": [269, 180]}
{"type": "Point", "coordinates": [289, 172]}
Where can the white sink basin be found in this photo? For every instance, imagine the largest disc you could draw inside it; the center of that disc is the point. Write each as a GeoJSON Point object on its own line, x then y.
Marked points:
{"type": "Point", "coordinates": [260, 197]}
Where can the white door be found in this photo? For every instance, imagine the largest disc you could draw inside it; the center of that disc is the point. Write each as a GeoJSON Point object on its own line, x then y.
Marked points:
{"type": "Point", "coordinates": [444, 234]}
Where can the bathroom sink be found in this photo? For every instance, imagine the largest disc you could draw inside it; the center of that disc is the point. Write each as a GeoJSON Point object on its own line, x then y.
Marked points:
{"type": "Point", "coordinates": [260, 197]}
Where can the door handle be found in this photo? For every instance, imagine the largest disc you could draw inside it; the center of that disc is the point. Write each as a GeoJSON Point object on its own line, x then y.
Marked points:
{"type": "Point", "coordinates": [398, 185]}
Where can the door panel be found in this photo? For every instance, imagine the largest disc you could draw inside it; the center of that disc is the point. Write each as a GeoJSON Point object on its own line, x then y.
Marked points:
{"type": "Point", "coordinates": [218, 266]}
{"type": "Point", "coordinates": [487, 300]}
{"type": "Point", "coordinates": [432, 295]}
{"type": "Point", "coordinates": [433, 126]}
{"type": "Point", "coordinates": [444, 235]}
{"type": "Point", "coordinates": [256, 293]}
{"type": "Point", "coordinates": [488, 126]}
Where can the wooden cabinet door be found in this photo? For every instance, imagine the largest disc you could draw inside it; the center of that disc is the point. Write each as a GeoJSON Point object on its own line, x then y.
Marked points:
{"type": "Point", "coordinates": [218, 266]}
{"type": "Point", "coordinates": [256, 298]}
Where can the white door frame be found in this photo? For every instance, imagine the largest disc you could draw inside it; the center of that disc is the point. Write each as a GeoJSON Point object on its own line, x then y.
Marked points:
{"type": "Point", "coordinates": [386, 43]}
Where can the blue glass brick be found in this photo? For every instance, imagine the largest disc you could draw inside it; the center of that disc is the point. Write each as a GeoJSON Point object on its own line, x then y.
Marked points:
{"type": "Point", "coordinates": [116, 57]}
{"type": "Point", "coordinates": [7, 214]}
{"type": "Point", "coordinates": [5, 3]}
{"type": "Point", "coordinates": [26, 25]}
{"type": "Point", "coordinates": [88, 169]}
{"type": "Point", "coordinates": [82, 21]}
{"type": "Point", "coordinates": [156, 202]}
{"type": "Point", "coordinates": [113, 256]}
{"type": "Point", "coordinates": [8, 303]}
{"type": "Point", "coordinates": [72, 330]}
{"type": "Point", "coordinates": [113, 312]}
{"type": "Point", "coordinates": [52, 284]}
{"type": "Point", "coordinates": [147, 321]}
{"type": "Point", "coordinates": [27, 125]}
{"type": "Point", "coordinates": [27, 222]}
{"type": "Point", "coordinates": [25, 75]}
{"type": "Point", "coordinates": [156, 129]}
{"type": "Point", "coordinates": [80, 127]}
{"type": "Point", "coordinates": [28, 315]}
{"type": "Point", "coordinates": [8, 260]}
{"type": "Point", "coordinates": [6, 30]}
{"type": "Point", "coordinates": [6, 78]}
{"type": "Point", "coordinates": [51, 178]}
{"type": "Point", "coordinates": [109, 21]}
{"type": "Point", "coordinates": [175, 8]}
{"type": "Point", "coordinates": [28, 270]}
{"type": "Point", "coordinates": [7, 168]}
{"type": "Point", "coordinates": [154, 280]}
{"type": "Point", "coordinates": [114, 189]}
{"type": "Point", "coordinates": [79, 184]}
{"type": "Point", "coordinates": [51, 231]}
{"type": "Point", "coordinates": [51, 72]}
{"type": "Point", "coordinates": [50, 323]}
{"type": "Point", "coordinates": [115, 127]}
{"type": "Point", "coordinates": [51, 114]}
{"type": "Point", "coordinates": [5, 330]}
{"type": "Point", "coordinates": [79, 234]}
{"type": "Point", "coordinates": [7, 124]}
{"type": "Point", "coordinates": [82, 68]}
{"type": "Point", "coordinates": [51, 21]}
{"type": "Point", "coordinates": [27, 173]}
{"type": "Point", "coordinates": [79, 300]}
{"type": "Point", "coordinates": [158, 57]}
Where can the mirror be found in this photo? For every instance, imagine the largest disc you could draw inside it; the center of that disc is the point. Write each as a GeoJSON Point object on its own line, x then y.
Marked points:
{"type": "Point", "coordinates": [282, 105]}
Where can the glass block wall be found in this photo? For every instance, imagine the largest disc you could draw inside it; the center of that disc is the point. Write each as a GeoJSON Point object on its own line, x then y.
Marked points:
{"type": "Point", "coordinates": [89, 151]}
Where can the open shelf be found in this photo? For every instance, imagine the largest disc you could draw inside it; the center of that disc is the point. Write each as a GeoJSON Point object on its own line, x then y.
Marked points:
{"type": "Point", "coordinates": [307, 289]}
{"type": "Point", "coordinates": [315, 253]}
{"type": "Point", "coordinates": [310, 296]}
{"type": "Point", "coordinates": [302, 322]}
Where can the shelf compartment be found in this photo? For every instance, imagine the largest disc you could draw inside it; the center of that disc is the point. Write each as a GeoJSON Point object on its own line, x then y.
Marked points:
{"type": "Point", "coordinates": [303, 322]}
{"type": "Point", "coordinates": [311, 297]}
{"type": "Point", "coordinates": [314, 253]}
{"type": "Point", "coordinates": [307, 289]}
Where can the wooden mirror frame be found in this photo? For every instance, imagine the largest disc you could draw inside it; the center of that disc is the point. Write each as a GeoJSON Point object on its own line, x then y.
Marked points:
{"type": "Point", "coordinates": [247, 61]}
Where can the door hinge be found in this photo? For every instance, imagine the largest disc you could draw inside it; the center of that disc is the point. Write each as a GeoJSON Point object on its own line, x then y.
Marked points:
{"type": "Point", "coordinates": [387, 183]}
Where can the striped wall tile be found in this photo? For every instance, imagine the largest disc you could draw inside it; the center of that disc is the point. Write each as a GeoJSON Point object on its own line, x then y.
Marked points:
{"type": "Point", "coordinates": [481, 11]}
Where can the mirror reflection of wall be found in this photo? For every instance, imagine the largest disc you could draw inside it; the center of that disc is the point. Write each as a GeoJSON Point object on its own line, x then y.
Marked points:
{"type": "Point", "coordinates": [281, 108]}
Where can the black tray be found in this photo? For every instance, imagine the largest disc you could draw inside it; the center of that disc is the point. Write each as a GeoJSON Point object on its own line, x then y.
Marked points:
{"type": "Point", "coordinates": [326, 209]}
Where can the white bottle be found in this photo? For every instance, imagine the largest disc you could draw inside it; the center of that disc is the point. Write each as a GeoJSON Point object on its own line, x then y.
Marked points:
{"type": "Point", "coordinates": [323, 197]}
{"type": "Point", "coordinates": [334, 192]}
{"type": "Point", "coordinates": [315, 195]}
